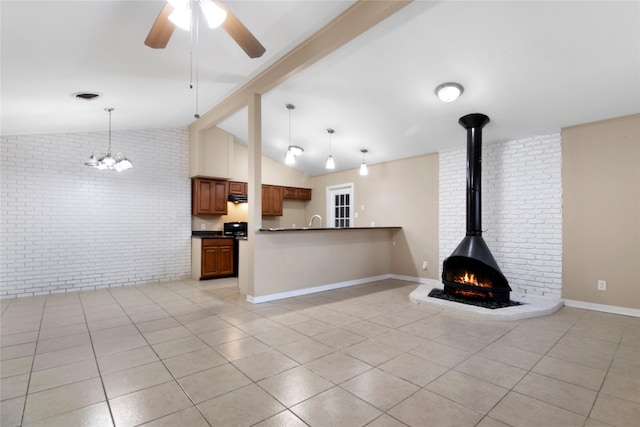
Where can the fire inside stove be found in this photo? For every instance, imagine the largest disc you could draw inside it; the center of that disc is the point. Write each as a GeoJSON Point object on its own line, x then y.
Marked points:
{"type": "Point", "coordinates": [470, 279]}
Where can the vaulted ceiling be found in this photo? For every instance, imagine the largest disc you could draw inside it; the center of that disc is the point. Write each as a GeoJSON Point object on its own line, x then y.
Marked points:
{"type": "Point", "coordinates": [533, 67]}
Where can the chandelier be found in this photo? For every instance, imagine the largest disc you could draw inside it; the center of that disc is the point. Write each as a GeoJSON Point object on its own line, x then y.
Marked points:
{"type": "Point", "coordinates": [118, 162]}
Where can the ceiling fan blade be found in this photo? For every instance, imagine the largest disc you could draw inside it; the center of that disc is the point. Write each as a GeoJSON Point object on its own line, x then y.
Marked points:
{"type": "Point", "coordinates": [162, 29]}
{"type": "Point", "coordinates": [241, 34]}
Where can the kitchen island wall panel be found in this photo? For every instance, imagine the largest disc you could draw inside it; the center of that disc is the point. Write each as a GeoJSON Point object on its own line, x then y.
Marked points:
{"type": "Point", "coordinates": [299, 261]}
{"type": "Point", "coordinates": [66, 226]}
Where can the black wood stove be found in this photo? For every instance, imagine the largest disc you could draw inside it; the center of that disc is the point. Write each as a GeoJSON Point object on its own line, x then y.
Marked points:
{"type": "Point", "coordinates": [471, 272]}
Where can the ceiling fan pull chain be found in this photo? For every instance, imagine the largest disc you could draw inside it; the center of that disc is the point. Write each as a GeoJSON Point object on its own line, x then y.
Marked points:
{"type": "Point", "coordinates": [197, 29]}
{"type": "Point", "coordinates": [191, 51]}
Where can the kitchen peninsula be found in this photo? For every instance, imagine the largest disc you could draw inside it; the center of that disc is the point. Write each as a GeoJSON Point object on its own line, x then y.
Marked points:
{"type": "Point", "coordinates": [297, 261]}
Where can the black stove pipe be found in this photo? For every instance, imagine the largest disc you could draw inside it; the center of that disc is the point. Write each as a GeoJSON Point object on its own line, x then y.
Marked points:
{"type": "Point", "coordinates": [474, 123]}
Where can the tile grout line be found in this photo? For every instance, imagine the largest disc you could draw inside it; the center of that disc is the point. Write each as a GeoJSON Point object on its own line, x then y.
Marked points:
{"type": "Point", "coordinates": [95, 357]}
{"type": "Point", "coordinates": [33, 359]}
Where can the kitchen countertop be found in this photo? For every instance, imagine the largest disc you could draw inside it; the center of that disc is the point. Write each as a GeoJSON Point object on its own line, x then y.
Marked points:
{"type": "Point", "coordinates": [206, 234]}
{"type": "Point", "coordinates": [279, 229]}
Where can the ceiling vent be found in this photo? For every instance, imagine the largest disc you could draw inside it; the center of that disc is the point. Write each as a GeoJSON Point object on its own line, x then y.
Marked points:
{"type": "Point", "coordinates": [87, 96]}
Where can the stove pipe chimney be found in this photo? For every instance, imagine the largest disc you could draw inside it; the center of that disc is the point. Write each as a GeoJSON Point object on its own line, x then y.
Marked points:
{"type": "Point", "coordinates": [474, 123]}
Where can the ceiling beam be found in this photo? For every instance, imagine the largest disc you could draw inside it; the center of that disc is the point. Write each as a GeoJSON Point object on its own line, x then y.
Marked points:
{"type": "Point", "coordinates": [357, 19]}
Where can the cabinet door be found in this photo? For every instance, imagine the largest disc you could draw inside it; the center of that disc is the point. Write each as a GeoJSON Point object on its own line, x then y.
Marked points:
{"type": "Point", "coordinates": [210, 262]}
{"type": "Point", "coordinates": [295, 193]}
{"type": "Point", "coordinates": [272, 200]}
{"type": "Point", "coordinates": [217, 258]}
{"type": "Point", "coordinates": [303, 193]}
{"type": "Point", "coordinates": [290, 193]}
{"type": "Point", "coordinates": [225, 261]}
{"type": "Point", "coordinates": [238, 188]}
{"type": "Point", "coordinates": [220, 196]}
{"type": "Point", "coordinates": [209, 197]}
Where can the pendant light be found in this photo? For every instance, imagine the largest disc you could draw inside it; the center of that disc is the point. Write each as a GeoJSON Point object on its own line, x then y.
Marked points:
{"type": "Point", "coordinates": [118, 162]}
{"type": "Point", "coordinates": [331, 164]}
{"type": "Point", "coordinates": [363, 167]}
{"type": "Point", "coordinates": [292, 150]}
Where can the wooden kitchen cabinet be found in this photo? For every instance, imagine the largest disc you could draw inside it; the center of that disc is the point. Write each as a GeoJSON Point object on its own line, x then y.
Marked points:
{"type": "Point", "coordinates": [272, 198]}
{"type": "Point", "coordinates": [295, 193]}
{"type": "Point", "coordinates": [217, 258]}
{"type": "Point", "coordinates": [209, 196]}
{"type": "Point", "coordinates": [238, 188]}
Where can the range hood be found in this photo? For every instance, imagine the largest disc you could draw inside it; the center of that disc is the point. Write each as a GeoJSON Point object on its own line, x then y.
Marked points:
{"type": "Point", "coordinates": [237, 199]}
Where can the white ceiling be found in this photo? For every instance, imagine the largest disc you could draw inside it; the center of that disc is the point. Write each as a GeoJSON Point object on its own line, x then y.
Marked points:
{"type": "Point", "coordinates": [533, 67]}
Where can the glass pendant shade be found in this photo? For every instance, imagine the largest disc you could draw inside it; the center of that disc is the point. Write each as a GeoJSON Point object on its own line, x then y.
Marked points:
{"type": "Point", "coordinates": [123, 165]}
{"type": "Point", "coordinates": [108, 161]}
{"type": "Point", "coordinates": [363, 167]}
{"type": "Point", "coordinates": [93, 161]}
{"type": "Point", "coordinates": [331, 164]}
{"type": "Point", "coordinates": [290, 158]}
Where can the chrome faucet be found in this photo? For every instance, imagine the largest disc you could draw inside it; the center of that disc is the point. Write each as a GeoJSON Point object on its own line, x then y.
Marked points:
{"type": "Point", "coordinates": [314, 217]}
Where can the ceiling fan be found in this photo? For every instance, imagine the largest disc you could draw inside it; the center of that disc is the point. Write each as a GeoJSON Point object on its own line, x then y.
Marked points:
{"type": "Point", "coordinates": [178, 12]}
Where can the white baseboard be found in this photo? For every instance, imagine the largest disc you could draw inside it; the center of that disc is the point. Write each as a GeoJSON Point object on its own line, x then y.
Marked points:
{"type": "Point", "coordinates": [314, 289]}
{"type": "Point", "coordinates": [422, 280]}
{"type": "Point", "coordinates": [626, 311]}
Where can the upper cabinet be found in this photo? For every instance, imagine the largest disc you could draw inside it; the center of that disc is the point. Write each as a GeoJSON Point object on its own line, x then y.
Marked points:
{"type": "Point", "coordinates": [211, 154]}
{"type": "Point", "coordinates": [238, 188]}
{"type": "Point", "coordinates": [295, 193]}
{"type": "Point", "coordinates": [272, 196]}
{"type": "Point", "coordinates": [209, 196]}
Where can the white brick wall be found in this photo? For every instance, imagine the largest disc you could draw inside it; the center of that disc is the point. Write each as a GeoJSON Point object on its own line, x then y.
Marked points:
{"type": "Point", "coordinates": [66, 226]}
{"type": "Point", "coordinates": [521, 209]}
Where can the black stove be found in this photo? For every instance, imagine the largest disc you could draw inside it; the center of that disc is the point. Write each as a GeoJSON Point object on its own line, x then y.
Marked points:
{"type": "Point", "coordinates": [237, 229]}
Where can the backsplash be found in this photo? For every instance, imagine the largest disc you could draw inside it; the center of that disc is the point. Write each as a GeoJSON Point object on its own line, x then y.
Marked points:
{"type": "Point", "coordinates": [66, 226]}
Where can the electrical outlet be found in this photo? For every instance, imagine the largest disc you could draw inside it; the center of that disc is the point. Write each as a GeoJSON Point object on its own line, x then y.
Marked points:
{"type": "Point", "coordinates": [602, 285]}
{"type": "Point", "coordinates": [203, 227]}
{"type": "Point", "coordinates": [424, 265]}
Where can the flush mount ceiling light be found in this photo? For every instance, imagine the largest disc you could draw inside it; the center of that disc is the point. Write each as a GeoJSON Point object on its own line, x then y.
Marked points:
{"type": "Point", "coordinates": [292, 150]}
{"type": "Point", "coordinates": [363, 167]}
{"type": "Point", "coordinates": [86, 96]}
{"type": "Point", "coordinates": [118, 162]}
{"type": "Point", "coordinates": [448, 92]}
{"type": "Point", "coordinates": [331, 164]}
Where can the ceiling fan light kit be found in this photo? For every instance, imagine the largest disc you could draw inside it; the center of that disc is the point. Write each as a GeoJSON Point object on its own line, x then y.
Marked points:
{"type": "Point", "coordinates": [448, 92]}
{"type": "Point", "coordinates": [117, 162]}
{"type": "Point", "coordinates": [178, 12]}
{"type": "Point", "coordinates": [213, 13]}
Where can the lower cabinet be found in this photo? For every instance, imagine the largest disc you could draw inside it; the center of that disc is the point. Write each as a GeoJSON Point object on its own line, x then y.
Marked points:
{"type": "Point", "coordinates": [217, 258]}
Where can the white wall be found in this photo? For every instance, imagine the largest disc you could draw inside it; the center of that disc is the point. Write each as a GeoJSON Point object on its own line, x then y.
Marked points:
{"type": "Point", "coordinates": [66, 226]}
{"type": "Point", "coordinates": [521, 209]}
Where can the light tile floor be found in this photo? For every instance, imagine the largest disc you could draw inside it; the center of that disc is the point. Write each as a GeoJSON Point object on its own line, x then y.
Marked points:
{"type": "Point", "coordinates": [190, 353]}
